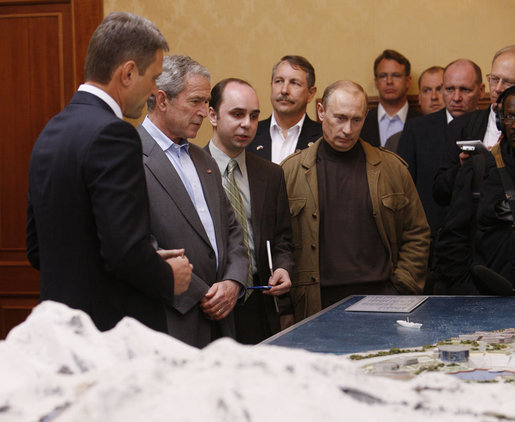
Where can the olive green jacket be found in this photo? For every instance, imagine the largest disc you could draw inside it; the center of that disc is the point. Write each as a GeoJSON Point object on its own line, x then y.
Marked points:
{"type": "Point", "coordinates": [397, 210]}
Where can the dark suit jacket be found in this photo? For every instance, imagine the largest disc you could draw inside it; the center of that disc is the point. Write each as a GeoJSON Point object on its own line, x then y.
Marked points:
{"type": "Point", "coordinates": [370, 130]}
{"type": "Point", "coordinates": [270, 221]}
{"type": "Point", "coordinates": [87, 224]}
{"type": "Point", "coordinates": [262, 143]}
{"type": "Point", "coordinates": [175, 223]}
{"type": "Point", "coordinates": [421, 145]}
{"type": "Point", "coordinates": [470, 126]}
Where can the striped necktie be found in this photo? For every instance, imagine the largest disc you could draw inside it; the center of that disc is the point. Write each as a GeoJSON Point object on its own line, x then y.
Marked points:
{"type": "Point", "coordinates": [233, 193]}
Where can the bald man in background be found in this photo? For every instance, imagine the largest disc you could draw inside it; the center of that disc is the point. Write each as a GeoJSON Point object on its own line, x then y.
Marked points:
{"type": "Point", "coordinates": [423, 138]}
{"type": "Point", "coordinates": [477, 125]}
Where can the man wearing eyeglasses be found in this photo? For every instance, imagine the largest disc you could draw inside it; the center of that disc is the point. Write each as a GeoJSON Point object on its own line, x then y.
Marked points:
{"type": "Point", "coordinates": [477, 125]}
{"type": "Point", "coordinates": [392, 80]}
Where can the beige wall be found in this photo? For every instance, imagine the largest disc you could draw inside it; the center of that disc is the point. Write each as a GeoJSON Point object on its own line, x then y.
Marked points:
{"type": "Point", "coordinates": [341, 38]}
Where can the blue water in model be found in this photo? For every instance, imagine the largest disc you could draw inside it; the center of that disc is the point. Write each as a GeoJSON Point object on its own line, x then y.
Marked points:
{"type": "Point", "coordinates": [481, 374]}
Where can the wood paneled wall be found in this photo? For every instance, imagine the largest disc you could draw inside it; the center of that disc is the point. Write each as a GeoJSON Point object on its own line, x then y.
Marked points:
{"type": "Point", "coordinates": [43, 47]}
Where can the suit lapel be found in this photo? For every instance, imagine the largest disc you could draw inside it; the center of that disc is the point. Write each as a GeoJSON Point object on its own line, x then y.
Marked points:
{"type": "Point", "coordinates": [370, 130]}
{"type": "Point", "coordinates": [310, 132]}
{"type": "Point", "coordinates": [212, 193]}
{"type": "Point", "coordinates": [159, 165]}
{"type": "Point", "coordinates": [412, 113]}
{"type": "Point", "coordinates": [257, 186]}
{"type": "Point", "coordinates": [263, 142]}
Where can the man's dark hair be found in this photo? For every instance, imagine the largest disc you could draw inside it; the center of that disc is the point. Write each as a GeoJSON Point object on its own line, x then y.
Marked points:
{"type": "Point", "coordinates": [217, 92]}
{"type": "Point", "coordinates": [299, 62]}
{"type": "Point", "coordinates": [393, 55]}
{"type": "Point", "coordinates": [432, 69]}
{"type": "Point", "coordinates": [507, 93]}
{"type": "Point", "coordinates": [477, 69]}
{"type": "Point", "coordinates": [121, 37]}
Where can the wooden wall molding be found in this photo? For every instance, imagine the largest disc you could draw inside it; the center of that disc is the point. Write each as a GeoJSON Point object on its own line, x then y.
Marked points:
{"type": "Point", "coordinates": [373, 102]}
{"type": "Point", "coordinates": [44, 44]}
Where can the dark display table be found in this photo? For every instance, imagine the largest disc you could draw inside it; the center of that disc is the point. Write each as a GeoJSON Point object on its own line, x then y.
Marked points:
{"type": "Point", "coordinates": [334, 330]}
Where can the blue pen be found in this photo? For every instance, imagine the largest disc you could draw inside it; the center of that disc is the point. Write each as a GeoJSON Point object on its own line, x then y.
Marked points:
{"type": "Point", "coordinates": [259, 287]}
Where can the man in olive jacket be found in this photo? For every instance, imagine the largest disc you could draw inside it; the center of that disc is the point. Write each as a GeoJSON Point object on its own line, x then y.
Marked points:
{"type": "Point", "coordinates": [358, 224]}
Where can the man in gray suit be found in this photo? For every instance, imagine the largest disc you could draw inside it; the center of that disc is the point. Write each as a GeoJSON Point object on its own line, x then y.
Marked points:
{"type": "Point", "coordinates": [188, 205]}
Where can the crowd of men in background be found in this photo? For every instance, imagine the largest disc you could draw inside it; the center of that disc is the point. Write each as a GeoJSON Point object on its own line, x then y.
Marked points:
{"type": "Point", "coordinates": [276, 219]}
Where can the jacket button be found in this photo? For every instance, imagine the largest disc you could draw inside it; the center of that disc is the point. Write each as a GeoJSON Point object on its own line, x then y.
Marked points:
{"type": "Point", "coordinates": [211, 255]}
{"type": "Point", "coordinates": [314, 214]}
{"type": "Point", "coordinates": [313, 246]}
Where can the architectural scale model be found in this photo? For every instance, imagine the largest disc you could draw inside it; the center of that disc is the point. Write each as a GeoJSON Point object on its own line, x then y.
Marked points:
{"type": "Point", "coordinates": [482, 357]}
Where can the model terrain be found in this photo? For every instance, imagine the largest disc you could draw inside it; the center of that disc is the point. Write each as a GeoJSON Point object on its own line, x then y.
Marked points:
{"type": "Point", "coordinates": [57, 367]}
{"type": "Point", "coordinates": [484, 356]}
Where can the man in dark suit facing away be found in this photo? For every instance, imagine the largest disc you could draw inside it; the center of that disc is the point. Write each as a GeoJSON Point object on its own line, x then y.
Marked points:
{"type": "Point", "coordinates": [258, 194]}
{"type": "Point", "coordinates": [87, 221]}
{"type": "Point", "coordinates": [188, 206]}
{"type": "Point", "coordinates": [289, 128]}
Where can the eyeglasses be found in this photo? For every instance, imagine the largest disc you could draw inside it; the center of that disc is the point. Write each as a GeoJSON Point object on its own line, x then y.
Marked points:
{"type": "Point", "coordinates": [494, 80]}
{"type": "Point", "coordinates": [395, 76]}
{"type": "Point", "coordinates": [509, 118]}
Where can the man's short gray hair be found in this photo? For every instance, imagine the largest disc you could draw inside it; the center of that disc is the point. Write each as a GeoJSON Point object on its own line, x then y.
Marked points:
{"type": "Point", "coordinates": [173, 78]}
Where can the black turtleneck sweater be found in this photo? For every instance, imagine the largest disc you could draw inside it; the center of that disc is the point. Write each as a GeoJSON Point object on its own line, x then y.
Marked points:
{"type": "Point", "coordinates": [351, 250]}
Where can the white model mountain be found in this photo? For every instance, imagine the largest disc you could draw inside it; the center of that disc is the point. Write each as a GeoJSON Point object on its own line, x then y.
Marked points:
{"type": "Point", "coordinates": [57, 367]}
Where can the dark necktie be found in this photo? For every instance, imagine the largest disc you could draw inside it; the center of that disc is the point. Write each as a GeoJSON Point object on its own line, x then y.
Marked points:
{"type": "Point", "coordinates": [233, 193]}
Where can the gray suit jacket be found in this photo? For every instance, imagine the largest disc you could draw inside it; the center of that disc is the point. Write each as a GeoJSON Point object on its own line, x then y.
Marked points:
{"type": "Point", "coordinates": [175, 223]}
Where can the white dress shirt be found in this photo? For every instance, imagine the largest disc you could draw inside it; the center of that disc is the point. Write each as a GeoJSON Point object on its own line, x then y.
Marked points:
{"type": "Point", "coordinates": [449, 116]}
{"type": "Point", "coordinates": [492, 134]}
{"type": "Point", "coordinates": [282, 147]}
{"type": "Point", "coordinates": [179, 157]}
{"type": "Point", "coordinates": [390, 125]}
{"type": "Point", "coordinates": [104, 96]}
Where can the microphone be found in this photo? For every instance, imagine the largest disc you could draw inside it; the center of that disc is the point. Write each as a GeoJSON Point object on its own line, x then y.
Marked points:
{"type": "Point", "coordinates": [492, 282]}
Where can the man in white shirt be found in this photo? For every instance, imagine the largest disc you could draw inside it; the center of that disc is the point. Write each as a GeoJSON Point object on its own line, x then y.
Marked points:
{"type": "Point", "coordinates": [392, 80]}
{"type": "Point", "coordinates": [289, 128]}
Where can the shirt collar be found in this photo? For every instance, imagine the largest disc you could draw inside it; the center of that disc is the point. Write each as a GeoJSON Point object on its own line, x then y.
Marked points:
{"type": "Point", "coordinates": [162, 140]}
{"type": "Point", "coordinates": [449, 116]}
{"type": "Point", "coordinates": [222, 159]}
{"type": "Point", "coordinates": [491, 116]}
{"type": "Point", "coordinates": [275, 126]}
{"type": "Point", "coordinates": [402, 113]}
{"type": "Point", "coordinates": [104, 96]}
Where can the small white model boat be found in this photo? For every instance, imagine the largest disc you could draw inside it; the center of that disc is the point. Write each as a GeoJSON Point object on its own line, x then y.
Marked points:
{"type": "Point", "coordinates": [408, 324]}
